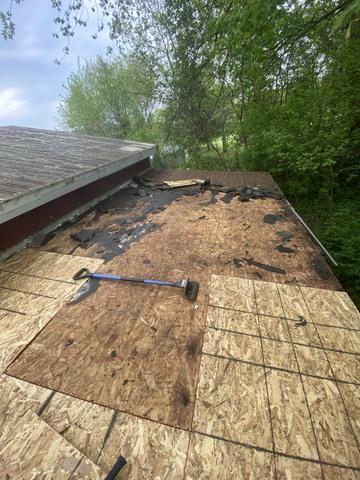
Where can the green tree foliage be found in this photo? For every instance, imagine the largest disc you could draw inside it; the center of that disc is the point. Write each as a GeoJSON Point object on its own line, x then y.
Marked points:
{"type": "Point", "coordinates": [111, 98]}
{"type": "Point", "coordinates": [261, 84]}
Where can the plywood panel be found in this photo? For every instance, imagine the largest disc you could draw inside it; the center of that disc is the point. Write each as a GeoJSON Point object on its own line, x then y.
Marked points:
{"type": "Point", "coordinates": [38, 286]}
{"type": "Point", "coordinates": [331, 308]}
{"type": "Point", "coordinates": [32, 395]}
{"type": "Point", "coordinates": [83, 424]}
{"type": "Point", "coordinates": [351, 397]}
{"type": "Point", "coordinates": [334, 473]}
{"type": "Point", "coordinates": [305, 335]}
{"type": "Point", "coordinates": [279, 354]}
{"type": "Point", "coordinates": [292, 301]}
{"type": "Point", "coordinates": [339, 339]}
{"type": "Point", "coordinates": [345, 366]}
{"type": "Point", "coordinates": [333, 431]}
{"type": "Point", "coordinates": [232, 345]}
{"type": "Point", "coordinates": [275, 328]}
{"type": "Point", "coordinates": [313, 361]}
{"type": "Point", "coordinates": [233, 293]}
{"type": "Point", "coordinates": [31, 448]}
{"type": "Point", "coordinates": [291, 423]}
{"type": "Point", "coordinates": [267, 299]}
{"type": "Point", "coordinates": [231, 402]}
{"type": "Point", "coordinates": [143, 353]}
{"type": "Point", "coordinates": [17, 331]}
{"type": "Point", "coordinates": [210, 459]}
{"type": "Point", "coordinates": [152, 450]}
{"type": "Point", "coordinates": [293, 469]}
{"type": "Point", "coordinates": [232, 320]}
{"type": "Point", "coordinates": [51, 265]}
{"type": "Point", "coordinates": [30, 305]}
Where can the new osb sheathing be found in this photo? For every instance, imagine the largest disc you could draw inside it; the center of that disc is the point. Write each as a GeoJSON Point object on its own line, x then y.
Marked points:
{"type": "Point", "coordinates": [30, 448]}
{"type": "Point", "coordinates": [220, 388]}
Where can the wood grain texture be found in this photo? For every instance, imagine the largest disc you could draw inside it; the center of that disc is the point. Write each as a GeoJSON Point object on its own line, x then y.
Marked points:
{"type": "Point", "coordinates": [232, 320]}
{"type": "Point", "coordinates": [152, 450]}
{"type": "Point", "coordinates": [41, 308]}
{"type": "Point", "coordinates": [54, 266]}
{"type": "Point", "coordinates": [17, 331]}
{"type": "Point", "coordinates": [268, 299]}
{"type": "Point", "coordinates": [329, 307]}
{"type": "Point", "coordinates": [233, 293]}
{"type": "Point", "coordinates": [291, 423]}
{"type": "Point", "coordinates": [345, 366]}
{"type": "Point", "coordinates": [293, 469]}
{"type": "Point", "coordinates": [292, 301]}
{"type": "Point", "coordinates": [313, 361]}
{"type": "Point", "coordinates": [335, 473]}
{"type": "Point", "coordinates": [275, 328]}
{"type": "Point", "coordinates": [231, 402]}
{"type": "Point", "coordinates": [306, 335]}
{"type": "Point", "coordinates": [212, 459]}
{"type": "Point", "coordinates": [143, 354]}
{"type": "Point", "coordinates": [31, 395]}
{"type": "Point", "coordinates": [83, 424]}
{"type": "Point", "coordinates": [279, 354]}
{"type": "Point", "coordinates": [351, 397]}
{"type": "Point", "coordinates": [232, 345]}
{"type": "Point", "coordinates": [333, 431]}
{"type": "Point", "coordinates": [31, 449]}
{"type": "Point", "coordinates": [339, 339]}
{"type": "Point", "coordinates": [37, 286]}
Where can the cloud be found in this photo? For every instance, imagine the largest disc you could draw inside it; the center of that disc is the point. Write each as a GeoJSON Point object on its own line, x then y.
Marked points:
{"type": "Point", "coordinates": [12, 104]}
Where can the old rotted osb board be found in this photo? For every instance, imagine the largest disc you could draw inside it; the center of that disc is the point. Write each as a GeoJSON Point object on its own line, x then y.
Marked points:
{"type": "Point", "coordinates": [259, 239]}
{"type": "Point", "coordinates": [30, 448]}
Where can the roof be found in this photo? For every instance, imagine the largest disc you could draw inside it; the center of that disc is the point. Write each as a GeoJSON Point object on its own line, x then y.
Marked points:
{"type": "Point", "coordinates": [40, 165]}
{"type": "Point", "coordinates": [241, 383]}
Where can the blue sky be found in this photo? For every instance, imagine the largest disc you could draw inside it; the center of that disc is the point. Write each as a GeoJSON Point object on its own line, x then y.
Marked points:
{"type": "Point", "coordinates": [30, 81]}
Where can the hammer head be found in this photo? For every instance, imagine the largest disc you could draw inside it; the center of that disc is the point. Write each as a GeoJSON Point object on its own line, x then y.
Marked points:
{"type": "Point", "coordinates": [191, 290]}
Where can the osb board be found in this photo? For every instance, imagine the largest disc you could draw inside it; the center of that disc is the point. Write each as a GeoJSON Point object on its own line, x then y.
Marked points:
{"type": "Point", "coordinates": [49, 265]}
{"type": "Point", "coordinates": [291, 422]}
{"type": "Point", "coordinates": [210, 459]}
{"type": "Point", "coordinates": [221, 232]}
{"type": "Point", "coordinates": [16, 332]}
{"type": "Point", "coordinates": [152, 450]}
{"type": "Point", "coordinates": [38, 286]}
{"type": "Point", "coordinates": [30, 448]}
{"type": "Point", "coordinates": [83, 424]}
{"type": "Point", "coordinates": [232, 403]}
{"type": "Point", "coordinates": [334, 433]}
{"type": "Point", "coordinates": [331, 308]}
{"type": "Point", "coordinates": [142, 347]}
{"type": "Point", "coordinates": [295, 469]}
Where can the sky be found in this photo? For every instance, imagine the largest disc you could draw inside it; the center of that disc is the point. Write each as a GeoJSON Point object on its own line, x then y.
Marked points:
{"type": "Point", "coordinates": [31, 84]}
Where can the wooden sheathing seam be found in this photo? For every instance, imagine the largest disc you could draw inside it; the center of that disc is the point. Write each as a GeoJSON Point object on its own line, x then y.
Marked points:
{"type": "Point", "coordinates": [276, 453]}
{"type": "Point", "coordinates": [334, 379]}
{"type": "Point", "coordinates": [303, 388]}
{"type": "Point", "coordinates": [266, 385]}
{"type": "Point", "coordinates": [286, 318]}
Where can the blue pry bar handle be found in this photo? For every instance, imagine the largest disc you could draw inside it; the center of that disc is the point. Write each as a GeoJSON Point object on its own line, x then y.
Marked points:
{"type": "Point", "coordinates": [85, 273]}
{"type": "Point", "coordinates": [103, 276]}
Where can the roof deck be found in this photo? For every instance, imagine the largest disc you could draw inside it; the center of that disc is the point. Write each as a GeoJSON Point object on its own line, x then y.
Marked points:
{"type": "Point", "coordinates": [259, 378]}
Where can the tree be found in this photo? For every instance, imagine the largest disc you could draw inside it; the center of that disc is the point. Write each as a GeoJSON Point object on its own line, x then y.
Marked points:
{"type": "Point", "coordinates": [113, 98]}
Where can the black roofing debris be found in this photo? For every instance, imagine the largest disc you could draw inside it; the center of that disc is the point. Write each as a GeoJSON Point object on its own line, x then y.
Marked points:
{"type": "Point", "coordinates": [283, 249]}
{"type": "Point", "coordinates": [150, 197]}
{"type": "Point", "coordinates": [239, 262]}
{"type": "Point", "coordinates": [321, 268]}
